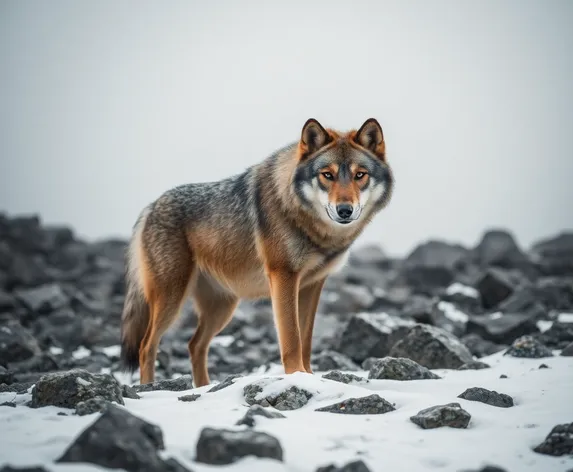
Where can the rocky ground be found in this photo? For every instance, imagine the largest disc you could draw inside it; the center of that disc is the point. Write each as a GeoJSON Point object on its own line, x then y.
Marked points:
{"type": "Point", "coordinates": [432, 317]}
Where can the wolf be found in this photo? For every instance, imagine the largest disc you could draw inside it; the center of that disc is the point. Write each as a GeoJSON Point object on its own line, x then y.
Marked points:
{"type": "Point", "coordinates": [276, 230]}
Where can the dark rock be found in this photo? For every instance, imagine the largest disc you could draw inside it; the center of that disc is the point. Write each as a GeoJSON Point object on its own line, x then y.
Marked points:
{"type": "Point", "coordinates": [353, 466]}
{"type": "Point", "coordinates": [559, 441]}
{"type": "Point", "coordinates": [67, 389]}
{"type": "Point", "coordinates": [432, 347]}
{"type": "Point", "coordinates": [369, 362]}
{"type": "Point", "coordinates": [332, 360]}
{"type": "Point", "coordinates": [189, 398]}
{"type": "Point", "coordinates": [258, 410]}
{"type": "Point", "coordinates": [499, 249]}
{"type": "Point", "coordinates": [480, 347]}
{"type": "Point", "coordinates": [494, 286]}
{"type": "Point", "coordinates": [227, 382]}
{"type": "Point", "coordinates": [489, 397]}
{"type": "Point", "coordinates": [447, 316]}
{"type": "Point", "coordinates": [93, 405]}
{"type": "Point", "coordinates": [487, 468]}
{"type": "Point", "coordinates": [451, 414]}
{"type": "Point", "coordinates": [370, 405]}
{"type": "Point", "coordinates": [119, 440]}
{"type": "Point", "coordinates": [7, 301]}
{"type": "Point", "coordinates": [432, 265]}
{"type": "Point", "coordinates": [43, 299]}
{"type": "Point", "coordinates": [128, 392]}
{"type": "Point", "coordinates": [9, 468]}
{"type": "Point", "coordinates": [16, 343]}
{"type": "Point", "coordinates": [503, 376]}
{"type": "Point", "coordinates": [371, 335]}
{"type": "Point", "coordinates": [558, 336]}
{"type": "Point", "coordinates": [467, 299]}
{"type": "Point", "coordinates": [567, 350]}
{"type": "Point", "coordinates": [291, 398]}
{"type": "Point", "coordinates": [43, 362]}
{"type": "Point", "coordinates": [529, 347]}
{"type": "Point", "coordinates": [549, 293]}
{"type": "Point", "coordinates": [503, 328]}
{"type": "Point", "coordinates": [543, 366]}
{"type": "Point", "coordinates": [474, 365]}
{"type": "Point", "coordinates": [224, 446]}
{"type": "Point", "coordinates": [554, 256]}
{"type": "Point", "coordinates": [338, 376]}
{"type": "Point", "coordinates": [399, 369]}
{"type": "Point", "coordinates": [9, 404]}
{"type": "Point", "coordinates": [185, 382]}
{"type": "Point", "coordinates": [16, 387]}
{"type": "Point", "coordinates": [6, 376]}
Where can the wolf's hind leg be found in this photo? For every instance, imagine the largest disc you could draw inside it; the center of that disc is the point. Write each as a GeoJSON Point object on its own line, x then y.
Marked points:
{"type": "Point", "coordinates": [214, 309]}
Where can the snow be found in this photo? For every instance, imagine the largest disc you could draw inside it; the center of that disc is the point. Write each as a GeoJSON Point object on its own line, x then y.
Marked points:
{"type": "Point", "coordinates": [81, 353]}
{"type": "Point", "coordinates": [544, 325]}
{"type": "Point", "coordinates": [457, 287]}
{"type": "Point", "coordinates": [56, 351]}
{"type": "Point", "coordinates": [112, 351]}
{"type": "Point", "coordinates": [565, 317]}
{"type": "Point", "coordinates": [452, 313]}
{"type": "Point", "coordinates": [504, 437]}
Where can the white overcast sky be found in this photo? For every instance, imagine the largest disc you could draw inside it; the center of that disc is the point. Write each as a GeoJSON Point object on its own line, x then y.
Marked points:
{"type": "Point", "coordinates": [105, 105]}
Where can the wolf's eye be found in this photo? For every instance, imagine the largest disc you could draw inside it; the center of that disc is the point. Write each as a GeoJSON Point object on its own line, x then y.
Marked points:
{"type": "Point", "coordinates": [359, 175]}
{"type": "Point", "coordinates": [327, 175]}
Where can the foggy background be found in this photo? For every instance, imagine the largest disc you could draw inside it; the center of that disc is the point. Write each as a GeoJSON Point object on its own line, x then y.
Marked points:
{"type": "Point", "coordinates": [105, 105]}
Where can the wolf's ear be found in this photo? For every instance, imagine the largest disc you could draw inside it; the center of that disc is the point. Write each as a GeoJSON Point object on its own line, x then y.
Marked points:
{"type": "Point", "coordinates": [313, 137]}
{"type": "Point", "coordinates": [371, 137]}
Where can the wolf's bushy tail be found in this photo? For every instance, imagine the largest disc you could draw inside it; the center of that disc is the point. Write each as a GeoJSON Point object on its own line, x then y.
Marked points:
{"type": "Point", "coordinates": [135, 316]}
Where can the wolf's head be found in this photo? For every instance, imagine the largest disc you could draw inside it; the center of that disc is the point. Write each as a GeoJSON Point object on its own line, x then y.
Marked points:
{"type": "Point", "coordinates": [343, 177]}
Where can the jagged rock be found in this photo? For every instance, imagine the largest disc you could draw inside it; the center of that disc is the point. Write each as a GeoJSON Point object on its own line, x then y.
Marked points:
{"type": "Point", "coordinates": [353, 466]}
{"type": "Point", "coordinates": [93, 405]}
{"type": "Point", "coordinates": [369, 405]}
{"type": "Point", "coordinates": [338, 376]}
{"type": "Point", "coordinates": [399, 369]}
{"type": "Point", "coordinates": [185, 382]}
{"type": "Point", "coordinates": [16, 387]}
{"type": "Point", "coordinates": [529, 347]}
{"type": "Point", "coordinates": [498, 248]}
{"type": "Point", "coordinates": [43, 299]}
{"type": "Point", "coordinates": [6, 376]}
{"type": "Point", "coordinates": [227, 382]}
{"type": "Point", "coordinates": [128, 392]}
{"type": "Point", "coordinates": [480, 347]}
{"type": "Point", "coordinates": [332, 360]}
{"type": "Point", "coordinates": [16, 343]}
{"type": "Point", "coordinates": [548, 293]}
{"type": "Point", "coordinates": [451, 414]}
{"type": "Point", "coordinates": [559, 441]}
{"type": "Point", "coordinates": [189, 398]}
{"type": "Point", "coordinates": [120, 440]}
{"type": "Point", "coordinates": [290, 398]}
{"type": "Point", "coordinates": [474, 365]}
{"type": "Point", "coordinates": [67, 389]}
{"type": "Point", "coordinates": [494, 286]}
{"type": "Point", "coordinates": [371, 335]}
{"type": "Point", "coordinates": [558, 336]}
{"type": "Point", "coordinates": [554, 256]}
{"type": "Point", "coordinates": [8, 404]}
{"type": "Point", "coordinates": [489, 397]}
{"type": "Point", "coordinates": [567, 350]}
{"type": "Point", "coordinates": [224, 446]}
{"type": "Point", "coordinates": [258, 410]}
{"type": "Point", "coordinates": [503, 328]}
{"type": "Point", "coordinates": [432, 347]}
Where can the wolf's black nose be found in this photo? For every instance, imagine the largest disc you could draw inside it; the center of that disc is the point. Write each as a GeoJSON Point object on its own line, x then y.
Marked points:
{"type": "Point", "coordinates": [344, 210]}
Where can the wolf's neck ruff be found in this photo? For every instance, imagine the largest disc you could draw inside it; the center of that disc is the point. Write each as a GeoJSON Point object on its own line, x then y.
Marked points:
{"type": "Point", "coordinates": [277, 230]}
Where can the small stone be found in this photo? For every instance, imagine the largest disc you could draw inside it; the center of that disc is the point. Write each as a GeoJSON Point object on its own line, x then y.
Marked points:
{"type": "Point", "coordinates": [258, 410]}
{"type": "Point", "coordinates": [227, 382]}
{"type": "Point", "coordinates": [332, 360]}
{"type": "Point", "coordinates": [185, 382]}
{"type": "Point", "coordinates": [400, 369]}
{"type": "Point", "coordinates": [369, 405]}
{"type": "Point", "coordinates": [67, 389]}
{"type": "Point", "coordinates": [93, 405]}
{"type": "Point", "coordinates": [291, 398]}
{"type": "Point", "coordinates": [528, 347]}
{"type": "Point", "coordinates": [224, 446]}
{"type": "Point", "coordinates": [503, 376]}
{"type": "Point", "coordinates": [559, 441]}
{"type": "Point", "coordinates": [10, 468]}
{"type": "Point", "coordinates": [487, 468]}
{"type": "Point", "coordinates": [567, 350]}
{"type": "Point", "coordinates": [16, 343]}
{"type": "Point", "coordinates": [489, 397]}
{"type": "Point", "coordinates": [451, 415]}
{"type": "Point", "coordinates": [43, 299]}
{"type": "Point", "coordinates": [354, 466]}
{"type": "Point", "coordinates": [129, 392]}
{"type": "Point", "coordinates": [17, 387]}
{"type": "Point", "coordinates": [189, 398]}
{"type": "Point", "coordinates": [338, 376]}
{"type": "Point", "coordinates": [6, 376]}
{"type": "Point", "coordinates": [543, 366]}
{"type": "Point", "coordinates": [9, 404]}
{"type": "Point", "coordinates": [474, 365]}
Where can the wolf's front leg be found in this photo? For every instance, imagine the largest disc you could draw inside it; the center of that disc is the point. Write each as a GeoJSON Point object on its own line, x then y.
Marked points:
{"type": "Point", "coordinates": [284, 295]}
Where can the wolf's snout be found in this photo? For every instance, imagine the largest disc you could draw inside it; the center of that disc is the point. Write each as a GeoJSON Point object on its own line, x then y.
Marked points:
{"type": "Point", "coordinates": [344, 210]}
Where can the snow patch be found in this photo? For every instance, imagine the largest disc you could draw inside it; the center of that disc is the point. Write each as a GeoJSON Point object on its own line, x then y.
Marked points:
{"type": "Point", "coordinates": [544, 325]}
{"type": "Point", "coordinates": [452, 313]}
{"type": "Point", "coordinates": [56, 351]}
{"type": "Point", "coordinates": [458, 288]}
{"type": "Point", "coordinates": [565, 318]}
{"type": "Point", "coordinates": [81, 353]}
